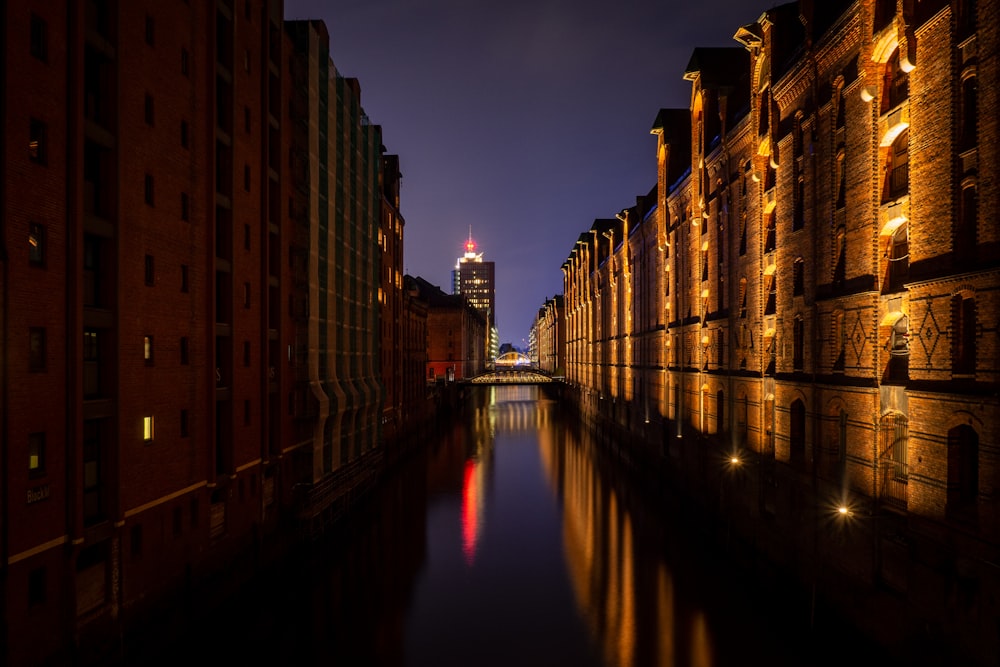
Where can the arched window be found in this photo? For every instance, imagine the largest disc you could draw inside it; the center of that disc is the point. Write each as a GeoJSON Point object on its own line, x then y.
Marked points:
{"type": "Point", "coordinates": [839, 255]}
{"type": "Point", "coordinates": [743, 233]}
{"type": "Point", "coordinates": [743, 297]}
{"type": "Point", "coordinates": [772, 295]}
{"type": "Point", "coordinates": [897, 168]}
{"type": "Point", "coordinates": [963, 468]}
{"type": "Point", "coordinates": [897, 255]}
{"type": "Point", "coordinates": [967, 226]}
{"type": "Point", "coordinates": [968, 135]}
{"type": "Point", "coordinates": [893, 457]}
{"type": "Point", "coordinates": [841, 178]}
{"type": "Point", "coordinates": [798, 214]}
{"type": "Point", "coordinates": [963, 335]}
{"type": "Point", "coordinates": [839, 341]}
{"type": "Point", "coordinates": [895, 84]}
{"type": "Point", "coordinates": [797, 433]}
{"type": "Point", "coordinates": [798, 344]}
{"type": "Point", "coordinates": [742, 419]}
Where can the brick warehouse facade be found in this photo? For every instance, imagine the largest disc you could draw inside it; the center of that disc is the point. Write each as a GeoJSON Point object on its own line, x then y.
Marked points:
{"type": "Point", "coordinates": [192, 369]}
{"type": "Point", "coordinates": [813, 297]}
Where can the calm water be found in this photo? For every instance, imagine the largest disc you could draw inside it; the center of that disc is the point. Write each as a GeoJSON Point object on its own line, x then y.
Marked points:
{"type": "Point", "coordinates": [511, 541]}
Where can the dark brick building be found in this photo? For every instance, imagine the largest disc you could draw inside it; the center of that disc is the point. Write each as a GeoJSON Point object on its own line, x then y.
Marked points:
{"type": "Point", "coordinates": [161, 315]}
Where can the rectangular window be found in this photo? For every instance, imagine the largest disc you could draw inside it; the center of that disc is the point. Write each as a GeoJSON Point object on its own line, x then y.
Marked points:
{"type": "Point", "coordinates": [91, 363]}
{"type": "Point", "coordinates": [147, 350]}
{"type": "Point", "coordinates": [185, 359]}
{"type": "Point", "coordinates": [184, 134]}
{"type": "Point", "coordinates": [135, 538]}
{"type": "Point", "coordinates": [36, 454]}
{"type": "Point", "coordinates": [36, 587]}
{"type": "Point", "coordinates": [246, 295]}
{"type": "Point", "coordinates": [184, 62]}
{"type": "Point", "coordinates": [93, 487]}
{"type": "Point", "coordinates": [148, 109]}
{"type": "Point", "coordinates": [246, 177]}
{"type": "Point", "coordinates": [147, 429]}
{"type": "Point", "coordinates": [246, 237]}
{"type": "Point", "coordinates": [36, 244]}
{"type": "Point", "coordinates": [184, 278]}
{"type": "Point", "coordinates": [246, 412]}
{"type": "Point", "coordinates": [39, 38]}
{"type": "Point", "coordinates": [184, 423]}
{"type": "Point", "coordinates": [38, 134]}
{"type": "Point", "coordinates": [246, 353]}
{"type": "Point", "coordinates": [148, 188]}
{"type": "Point", "coordinates": [246, 119]}
{"type": "Point", "coordinates": [36, 350]}
{"type": "Point", "coordinates": [150, 274]}
{"type": "Point", "coordinates": [185, 206]}
{"type": "Point", "coordinates": [150, 30]}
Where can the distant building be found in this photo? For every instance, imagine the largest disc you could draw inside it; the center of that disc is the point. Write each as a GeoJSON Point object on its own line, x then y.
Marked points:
{"type": "Point", "coordinates": [456, 335]}
{"type": "Point", "coordinates": [475, 279]}
{"type": "Point", "coordinates": [547, 338]}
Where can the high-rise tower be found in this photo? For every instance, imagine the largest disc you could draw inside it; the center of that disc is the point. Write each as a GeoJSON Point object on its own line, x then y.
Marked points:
{"type": "Point", "coordinates": [474, 278]}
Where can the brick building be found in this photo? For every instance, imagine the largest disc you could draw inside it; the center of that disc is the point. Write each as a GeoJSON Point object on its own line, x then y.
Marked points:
{"type": "Point", "coordinates": [456, 335]}
{"type": "Point", "coordinates": [338, 207]}
{"type": "Point", "coordinates": [168, 336]}
{"type": "Point", "coordinates": [390, 297]}
{"type": "Point", "coordinates": [547, 339]}
{"type": "Point", "coordinates": [827, 310]}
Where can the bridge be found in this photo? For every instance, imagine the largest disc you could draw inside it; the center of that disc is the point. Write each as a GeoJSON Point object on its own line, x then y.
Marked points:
{"type": "Point", "coordinates": [514, 375]}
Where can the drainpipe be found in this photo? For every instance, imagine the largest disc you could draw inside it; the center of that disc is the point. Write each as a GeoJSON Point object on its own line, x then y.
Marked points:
{"type": "Point", "coordinates": [5, 359]}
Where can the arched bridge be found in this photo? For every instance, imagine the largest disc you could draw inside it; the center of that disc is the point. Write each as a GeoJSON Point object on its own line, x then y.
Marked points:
{"type": "Point", "coordinates": [512, 376]}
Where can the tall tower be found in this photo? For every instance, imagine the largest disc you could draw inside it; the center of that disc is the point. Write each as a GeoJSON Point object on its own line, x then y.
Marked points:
{"type": "Point", "coordinates": [474, 278]}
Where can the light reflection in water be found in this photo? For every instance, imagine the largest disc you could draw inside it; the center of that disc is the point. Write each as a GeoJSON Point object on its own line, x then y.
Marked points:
{"type": "Point", "coordinates": [606, 573]}
{"type": "Point", "coordinates": [472, 509]}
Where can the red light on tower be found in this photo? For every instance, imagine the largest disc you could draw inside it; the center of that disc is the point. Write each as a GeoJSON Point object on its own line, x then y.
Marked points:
{"type": "Point", "coordinates": [470, 246]}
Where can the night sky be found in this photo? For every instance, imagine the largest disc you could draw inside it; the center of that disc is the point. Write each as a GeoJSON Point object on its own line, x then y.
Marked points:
{"type": "Point", "coordinates": [526, 119]}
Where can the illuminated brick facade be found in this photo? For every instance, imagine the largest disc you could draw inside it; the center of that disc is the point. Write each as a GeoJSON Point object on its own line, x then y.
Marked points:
{"type": "Point", "coordinates": [547, 341]}
{"type": "Point", "coordinates": [816, 290]}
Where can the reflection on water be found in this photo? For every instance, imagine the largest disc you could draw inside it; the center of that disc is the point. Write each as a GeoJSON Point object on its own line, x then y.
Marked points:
{"type": "Point", "coordinates": [472, 508]}
{"type": "Point", "coordinates": [509, 540]}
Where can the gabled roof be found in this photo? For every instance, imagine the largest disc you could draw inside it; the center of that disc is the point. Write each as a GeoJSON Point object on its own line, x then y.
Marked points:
{"type": "Point", "coordinates": [717, 66]}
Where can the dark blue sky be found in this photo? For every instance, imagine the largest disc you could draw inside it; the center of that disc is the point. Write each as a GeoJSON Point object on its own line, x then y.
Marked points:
{"type": "Point", "coordinates": [526, 119]}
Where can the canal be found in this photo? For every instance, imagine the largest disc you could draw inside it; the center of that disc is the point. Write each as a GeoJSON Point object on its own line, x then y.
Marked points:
{"type": "Point", "coordinates": [514, 538]}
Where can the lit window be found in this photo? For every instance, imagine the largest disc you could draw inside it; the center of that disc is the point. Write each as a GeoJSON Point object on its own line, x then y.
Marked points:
{"type": "Point", "coordinates": [147, 428]}
{"type": "Point", "coordinates": [147, 349]}
{"type": "Point", "coordinates": [36, 244]}
{"type": "Point", "coordinates": [36, 454]}
{"type": "Point", "coordinates": [37, 141]}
